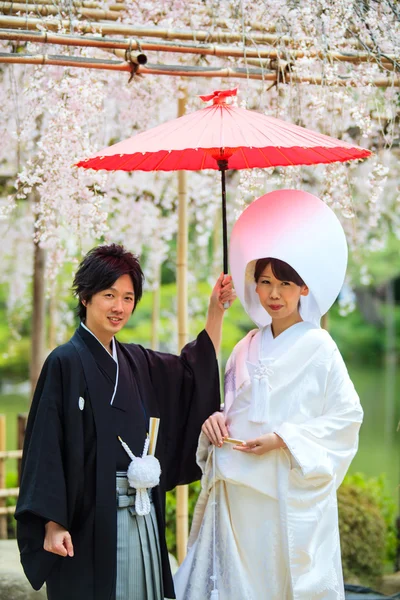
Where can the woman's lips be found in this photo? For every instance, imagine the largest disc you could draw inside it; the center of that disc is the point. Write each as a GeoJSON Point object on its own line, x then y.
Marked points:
{"type": "Point", "coordinates": [275, 306]}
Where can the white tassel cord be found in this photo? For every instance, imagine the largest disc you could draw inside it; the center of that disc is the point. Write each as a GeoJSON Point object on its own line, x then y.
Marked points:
{"type": "Point", "coordinates": [260, 394]}
{"type": "Point", "coordinates": [214, 593]}
{"type": "Point", "coordinates": [143, 473]}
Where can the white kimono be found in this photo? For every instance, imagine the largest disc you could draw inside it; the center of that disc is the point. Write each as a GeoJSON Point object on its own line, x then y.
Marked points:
{"type": "Point", "coordinates": [277, 535]}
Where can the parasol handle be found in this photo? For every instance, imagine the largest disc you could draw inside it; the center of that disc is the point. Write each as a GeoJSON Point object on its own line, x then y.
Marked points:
{"type": "Point", "coordinates": [223, 165]}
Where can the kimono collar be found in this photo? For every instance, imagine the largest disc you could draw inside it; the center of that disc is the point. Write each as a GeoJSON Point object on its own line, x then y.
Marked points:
{"type": "Point", "coordinates": [276, 352]}
{"type": "Point", "coordinates": [113, 345]}
{"type": "Point", "coordinates": [108, 364]}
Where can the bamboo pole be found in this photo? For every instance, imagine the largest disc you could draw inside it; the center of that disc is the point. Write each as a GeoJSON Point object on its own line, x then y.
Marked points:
{"type": "Point", "coordinates": [78, 3]}
{"type": "Point", "coordinates": [3, 517]}
{"type": "Point", "coordinates": [47, 10]}
{"type": "Point", "coordinates": [139, 31]}
{"type": "Point", "coordinates": [155, 311]}
{"type": "Point", "coordinates": [183, 71]}
{"type": "Point", "coordinates": [22, 419]}
{"type": "Point", "coordinates": [258, 57]}
{"type": "Point", "coordinates": [182, 492]}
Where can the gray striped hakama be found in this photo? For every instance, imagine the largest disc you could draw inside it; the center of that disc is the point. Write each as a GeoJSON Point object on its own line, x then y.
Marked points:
{"type": "Point", "coordinates": [139, 574]}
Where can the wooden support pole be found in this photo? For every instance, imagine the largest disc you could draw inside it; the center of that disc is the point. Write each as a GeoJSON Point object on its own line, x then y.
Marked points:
{"type": "Point", "coordinates": [21, 428]}
{"type": "Point", "coordinates": [325, 321]}
{"type": "Point", "coordinates": [3, 516]}
{"type": "Point", "coordinates": [182, 492]}
{"type": "Point", "coordinates": [155, 311]}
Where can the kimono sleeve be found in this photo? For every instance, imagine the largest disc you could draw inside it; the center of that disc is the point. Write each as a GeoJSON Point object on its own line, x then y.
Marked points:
{"type": "Point", "coordinates": [42, 495]}
{"type": "Point", "coordinates": [325, 446]}
{"type": "Point", "coordinates": [188, 392]}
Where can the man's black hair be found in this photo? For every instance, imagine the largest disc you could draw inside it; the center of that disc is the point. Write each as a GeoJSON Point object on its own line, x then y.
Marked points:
{"type": "Point", "coordinates": [100, 269]}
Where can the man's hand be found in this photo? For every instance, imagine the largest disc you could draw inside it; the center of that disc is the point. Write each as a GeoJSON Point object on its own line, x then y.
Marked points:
{"type": "Point", "coordinates": [223, 293]}
{"type": "Point", "coordinates": [262, 445]}
{"type": "Point", "coordinates": [57, 540]}
{"type": "Point", "coordinates": [215, 429]}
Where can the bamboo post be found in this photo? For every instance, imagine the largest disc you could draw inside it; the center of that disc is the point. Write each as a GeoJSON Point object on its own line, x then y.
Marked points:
{"type": "Point", "coordinates": [21, 428]}
{"type": "Point", "coordinates": [3, 517]}
{"type": "Point", "coordinates": [182, 495]}
{"type": "Point", "coordinates": [325, 321]}
{"type": "Point", "coordinates": [155, 312]}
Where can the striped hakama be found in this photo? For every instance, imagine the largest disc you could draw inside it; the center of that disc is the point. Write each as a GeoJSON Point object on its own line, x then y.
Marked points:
{"type": "Point", "coordinates": [139, 573]}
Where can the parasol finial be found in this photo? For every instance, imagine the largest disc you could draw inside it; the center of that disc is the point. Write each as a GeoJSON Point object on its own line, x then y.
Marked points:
{"type": "Point", "coordinates": [219, 96]}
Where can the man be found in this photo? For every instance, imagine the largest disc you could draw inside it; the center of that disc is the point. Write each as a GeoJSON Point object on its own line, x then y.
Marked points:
{"type": "Point", "coordinates": [76, 531]}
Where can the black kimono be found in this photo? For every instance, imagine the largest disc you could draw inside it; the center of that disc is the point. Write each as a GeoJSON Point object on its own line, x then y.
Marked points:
{"type": "Point", "coordinates": [71, 452]}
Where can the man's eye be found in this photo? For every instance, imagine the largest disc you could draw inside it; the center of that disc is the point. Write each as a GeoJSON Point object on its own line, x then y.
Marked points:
{"type": "Point", "coordinates": [109, 296]}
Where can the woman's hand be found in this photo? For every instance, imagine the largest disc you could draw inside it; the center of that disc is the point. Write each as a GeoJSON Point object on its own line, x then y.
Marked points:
{"type": "Point", "coordinates": [57, 540]}
{"type": "Point", "coordinates": [262, 445]}
{"type": "Point", "coordinates": [215, 429]}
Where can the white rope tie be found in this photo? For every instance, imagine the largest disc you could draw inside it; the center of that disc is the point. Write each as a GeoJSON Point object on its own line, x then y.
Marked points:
{"type": "Point", "coordinates": [143, 474]}
{"type": "Point", "coordinates": [260, 392]}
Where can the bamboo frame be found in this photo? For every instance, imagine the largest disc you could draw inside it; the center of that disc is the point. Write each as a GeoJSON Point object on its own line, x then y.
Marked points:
{"type": "Point", "coordinates": [47, 10]}
{"type": "Point", "coordinates": [252, 55]}
{"type": "Point", "coordinates": [188, 35]}
{"type": "Point", "coordinates": [182, 70]}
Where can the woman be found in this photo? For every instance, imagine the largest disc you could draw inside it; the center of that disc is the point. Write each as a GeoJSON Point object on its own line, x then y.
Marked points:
{"type": "Point", "coordinates": [266, 523]}
{"type": "Point", "coordinates": [80, 528]}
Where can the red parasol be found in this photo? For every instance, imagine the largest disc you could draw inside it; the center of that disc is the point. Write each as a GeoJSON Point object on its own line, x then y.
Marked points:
{"type": "Point", "coordinates": [222, 136]}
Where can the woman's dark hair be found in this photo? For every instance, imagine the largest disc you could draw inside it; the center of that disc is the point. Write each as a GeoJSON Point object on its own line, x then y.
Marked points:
{"type": "Point", "coordinates": [100, 269]}
{"type": "Point", "coordinates": [280, 269]}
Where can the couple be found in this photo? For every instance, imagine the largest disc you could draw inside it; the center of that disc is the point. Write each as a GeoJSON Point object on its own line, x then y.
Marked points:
{"type": "Point", "coordinates": [265, 525]}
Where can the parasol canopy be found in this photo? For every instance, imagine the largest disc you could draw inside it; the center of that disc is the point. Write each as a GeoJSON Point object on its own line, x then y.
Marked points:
{"type": "Point", "coordinates": [222, 136]}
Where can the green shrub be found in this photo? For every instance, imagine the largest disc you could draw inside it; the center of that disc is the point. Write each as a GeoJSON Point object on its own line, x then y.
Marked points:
{"type": "Point", "coordinates": [366, 520]}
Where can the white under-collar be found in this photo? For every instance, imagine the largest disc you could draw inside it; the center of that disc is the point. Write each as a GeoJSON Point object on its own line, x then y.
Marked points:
{"type": "Point", "coordinates": [114, 355]}
{"type": "Point", "coordinates": [113, 344]}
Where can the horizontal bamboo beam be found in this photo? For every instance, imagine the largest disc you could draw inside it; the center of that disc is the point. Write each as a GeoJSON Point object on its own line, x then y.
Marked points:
{"type": "Point", "coordinates": [254, 37]}
{"type": "Point", "coordinates": [10, 454]}
{"type": "Point", "coordinates": [252, 55]}
{"type": "Point", "coordinates": [48, 10]}
{"type": "Point", "coordinates": [181, 71]}
{"type": "Point", "coordinates": [7, 510]}
{"type": "Point", "coordinates": [138, 31]}
{"type": "Point", "coordinates": [113, 65]}
{"type": "Point", "coordinates": [9, 492]}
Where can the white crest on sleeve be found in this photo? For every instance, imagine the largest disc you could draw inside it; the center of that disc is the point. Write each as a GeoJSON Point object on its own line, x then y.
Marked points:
{"type": "Point", "coordinates": [81, 402]}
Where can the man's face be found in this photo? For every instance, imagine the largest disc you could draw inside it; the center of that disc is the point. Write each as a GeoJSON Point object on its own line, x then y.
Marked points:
{"type": "Point", "coordinates": [109, 310]}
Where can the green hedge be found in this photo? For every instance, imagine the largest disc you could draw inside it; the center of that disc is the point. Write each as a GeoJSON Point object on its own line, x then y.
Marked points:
{"type": "Point", "coordinates": [367, 528]}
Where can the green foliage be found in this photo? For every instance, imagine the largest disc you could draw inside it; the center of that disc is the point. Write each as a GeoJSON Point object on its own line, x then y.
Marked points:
{"type": "Point", "coordinates": [367, 531]}
{"type": "Point", "coordinates": [359, 342]}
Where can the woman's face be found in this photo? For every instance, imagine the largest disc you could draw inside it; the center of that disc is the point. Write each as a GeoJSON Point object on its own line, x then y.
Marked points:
{"type": "Point", "coordinates": [279, 298]}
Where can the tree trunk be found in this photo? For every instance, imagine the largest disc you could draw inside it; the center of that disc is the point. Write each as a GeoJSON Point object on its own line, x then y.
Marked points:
{"type": "Point", "coordinates": [38, 312]}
